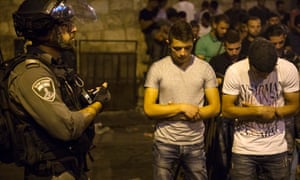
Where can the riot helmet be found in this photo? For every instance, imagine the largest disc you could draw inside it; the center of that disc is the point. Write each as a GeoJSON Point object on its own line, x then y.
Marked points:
{"type": "Point", "coordinates": [36, 18]}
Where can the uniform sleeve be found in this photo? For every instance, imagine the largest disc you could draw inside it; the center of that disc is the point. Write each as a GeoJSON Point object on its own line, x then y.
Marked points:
{"type": "Point", "coordinates": [37, 91]}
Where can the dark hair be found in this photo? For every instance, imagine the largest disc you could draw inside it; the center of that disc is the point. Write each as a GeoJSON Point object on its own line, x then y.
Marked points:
{"type": "Point", "coordinates": [253, 18]}
{"type": "Point", "coordinates": [279, 2]}
{"type": "Point", "coordinates": [205, 4]}
{"type": "Point", "coordinates": [236, 1]}
{"type": "Point", "coordinates": [182, 31]}
{"type": "Point", "coordinates": [181, 14]}
{"type": "Point", "coordinates": [262, 55]}
{"type": "Point", "coordinates": [214, 4]}
{"type": "Point", "coordinates": [194, 23]}
{"type": "Point", "coordinates": [274, 30]}
{"type": "Point", "coordinates": [232, 36]}
{"type": "Point", "coordinates": [206, 16]}
{"type": "Point", "coordinates": [272, 14]}
{"type": "Point", "coordinates": [221, 17]}
{"type": "Point", "coordinates": [171, 12]}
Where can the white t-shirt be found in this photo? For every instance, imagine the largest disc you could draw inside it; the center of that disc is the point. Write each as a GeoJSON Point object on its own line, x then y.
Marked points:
{"type": "Point", "coordinates": [188, 8]}
{"type": "Point", "coordinates": [253, 138]}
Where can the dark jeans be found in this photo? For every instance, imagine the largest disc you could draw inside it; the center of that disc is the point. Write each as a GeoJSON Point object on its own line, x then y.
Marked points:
{"type": "Point", "coordinates": [249, 167]}
{"type": "Point", "coordinates": [168, 157]}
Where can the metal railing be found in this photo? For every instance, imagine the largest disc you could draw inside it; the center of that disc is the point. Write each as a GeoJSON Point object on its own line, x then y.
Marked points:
{"type": "Point", "coordinates": [114, 62]}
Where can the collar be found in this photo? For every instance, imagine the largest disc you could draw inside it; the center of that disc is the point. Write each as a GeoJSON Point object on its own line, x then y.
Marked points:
{"type": "Point", "coordinates": [42, 55]}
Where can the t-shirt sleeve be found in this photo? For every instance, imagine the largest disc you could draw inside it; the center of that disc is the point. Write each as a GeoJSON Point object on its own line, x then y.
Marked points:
{"type": "Point", "coordinates": [290, 77]}
{"type": "Point", "coordinates": [230, 83]}
{"type": "Point", "coordinates": [152, 78]}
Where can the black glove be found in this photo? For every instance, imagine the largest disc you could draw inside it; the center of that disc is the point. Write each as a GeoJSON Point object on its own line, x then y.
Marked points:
{"type": "Point", "coordinates": [102, 96]}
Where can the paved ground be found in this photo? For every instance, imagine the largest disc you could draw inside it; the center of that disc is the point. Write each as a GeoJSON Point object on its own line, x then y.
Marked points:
{"type": "Point", "coordinates": [122, 152]}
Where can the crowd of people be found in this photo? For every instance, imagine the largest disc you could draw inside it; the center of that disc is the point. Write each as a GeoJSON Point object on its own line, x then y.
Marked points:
{"type": "Point", "coordinates": [213, 21]}
{"type": "Point", "coordinates": [244, 62]}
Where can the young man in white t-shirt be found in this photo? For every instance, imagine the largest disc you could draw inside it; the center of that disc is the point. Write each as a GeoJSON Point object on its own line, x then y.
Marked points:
{"type": "Point", "coordinates": [260, 92]}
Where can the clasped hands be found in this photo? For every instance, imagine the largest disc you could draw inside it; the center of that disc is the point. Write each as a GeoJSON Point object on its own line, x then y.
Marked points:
{"type": "Point", "coordinates": [264, 113]}
{"type": "Point", "coordinates": [189, 112]}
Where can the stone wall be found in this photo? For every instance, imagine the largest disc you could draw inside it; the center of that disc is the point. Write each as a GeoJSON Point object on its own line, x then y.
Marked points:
{"type": "Point", "coordinates": [118, 20]}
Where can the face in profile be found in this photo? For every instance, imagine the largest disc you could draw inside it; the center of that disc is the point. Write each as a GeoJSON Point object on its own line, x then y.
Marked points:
{"type": "Point", "coordinates": [278, 42]}
{"type": "Point", "coordinates": [64, 35]}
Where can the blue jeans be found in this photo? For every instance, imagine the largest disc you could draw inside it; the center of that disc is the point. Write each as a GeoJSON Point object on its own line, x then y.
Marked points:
{"type": "Point", "coordinates": [250, 167]}
{"type": "Point", "coordinates": [168, 158]}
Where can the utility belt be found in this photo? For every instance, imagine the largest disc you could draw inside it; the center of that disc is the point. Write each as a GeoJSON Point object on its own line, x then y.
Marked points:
{"type": "Point", "coordinates": [55, 168]}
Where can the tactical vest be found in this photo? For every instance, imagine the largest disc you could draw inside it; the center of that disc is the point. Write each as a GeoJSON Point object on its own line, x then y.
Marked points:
{"type": "Point", "coordinates": [40, 153]}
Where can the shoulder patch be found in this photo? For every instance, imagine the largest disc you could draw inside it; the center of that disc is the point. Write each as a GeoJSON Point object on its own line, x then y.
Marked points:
{"type": "Point", "coordinates": [44, 88]}
{"type": "Point", "coordinates": [31, 63]}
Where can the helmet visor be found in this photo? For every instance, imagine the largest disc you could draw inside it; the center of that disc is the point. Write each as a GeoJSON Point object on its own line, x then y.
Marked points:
{"type": "Point", "coordinates": [78, 9]}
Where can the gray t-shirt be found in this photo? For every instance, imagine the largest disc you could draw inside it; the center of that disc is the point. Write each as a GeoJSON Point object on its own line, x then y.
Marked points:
{"type": "Point", "coordinates": [180, 86]}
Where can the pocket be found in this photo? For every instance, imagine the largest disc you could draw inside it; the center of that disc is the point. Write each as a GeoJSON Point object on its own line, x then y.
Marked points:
{"type": "Point", "coordinates": [28, 152]}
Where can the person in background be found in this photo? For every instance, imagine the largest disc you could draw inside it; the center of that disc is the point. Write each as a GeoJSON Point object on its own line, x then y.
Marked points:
{"type": "Point", "coordinates": [176, 89]}
{"type": "Point", "coordinates": [204, 8]}
{"type": "Point", "coordinates": [282, 13]}
{"type": "Point", "coordinates": [172, 15]}
{"type": "Point", "coordinates": [160, 36]}
{"type": "Point", "coordinates": [186, 6]}
{"type": "Point", "coordinates": [232, 45]}
{"type": "Point", "coordinates": [235, 13]}
{"type": "Point", "coordinates": [210, 44]}
{"type": "Point", "coordinates": [147, 22]}
{"type": "Point", "coordinates": [277, 35]}
{"type": "Point", "coordinates": [254, 30]}
{"type": "Point", "coordinates": [162, 11]}
{"type": "Point", "coordinates": [293, 13]}
{"type": "Point", "coordinates": [260, 93]}
{"type": "Point", "coordinates": [219, 154]}
{"type": "Point", "coordinates": [182, 16]}
{"type": "Point", "coordinates": [56, 112]}
{"type": "Point", "coordinates": [214, 8]}
{"type": "Point", "coordinates": [205, 24]}
{"type": "Point", "coordinates": [294, 36]}
{"type": "Point", "coordinates": [260, 10]}
{"type": "Point", "coordinates": [195, 29]}
{"type": "Point", "coordinates": [273, 19]}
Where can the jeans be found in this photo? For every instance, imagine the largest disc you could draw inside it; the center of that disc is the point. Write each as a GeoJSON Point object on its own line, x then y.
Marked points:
{"type": "Point", "coordinates": [251, 167]}
{"type": "Point", "coordinates": [168, 158]}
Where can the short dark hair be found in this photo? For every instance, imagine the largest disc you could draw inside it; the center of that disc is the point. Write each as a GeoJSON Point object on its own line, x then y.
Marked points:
{"type": "Point", "coordinates": [181, 14]}
{"type": "Point", "coordinates": [262, 55]}
{"type": "Point", "coordinates": [279, 2]}
{"type": "Point", "coordinates": [221, 17]}
{"type": "Point", "coordinates": [194, 23]}
{"type": "Point", "coordinates": [232, 36]}
{"type": "Point", "coordinates": [275, 30]}
{"type": "Point", "coordinates": [182, 31]}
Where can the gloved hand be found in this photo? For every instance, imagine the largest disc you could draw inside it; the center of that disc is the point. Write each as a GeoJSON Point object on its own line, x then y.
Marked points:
{"type": "Point", "coordinates": [103, 95]}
